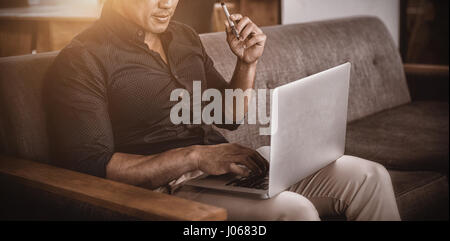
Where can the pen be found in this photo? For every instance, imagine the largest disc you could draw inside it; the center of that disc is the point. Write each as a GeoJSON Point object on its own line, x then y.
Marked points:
{"type": "Point", "coordinates": [232, 25]}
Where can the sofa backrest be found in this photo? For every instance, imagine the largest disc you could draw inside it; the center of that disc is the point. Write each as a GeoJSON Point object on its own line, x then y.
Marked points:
{"type": "Point", "coordinates": [293, 52]}
{"type": "Point", "coordinates": [23, 130]}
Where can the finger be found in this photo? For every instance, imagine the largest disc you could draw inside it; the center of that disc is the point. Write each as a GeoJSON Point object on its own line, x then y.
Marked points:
{"type": "Point", "coordinates": [260, 163]}
{"type": "Point", "coordinates": [236, 17]}
{"type": "Point", "coordinates": [228, 30]}
{"type": "Point", "coordinates": [263, 161]}
{"type": "Point", "coordinates": [248, 30]}
{"type": "Point", "coordinates": [258, 39]}
{"type": "Point", "coordinates": [250, 164]}
{"type": "Point", "coordinates": [227, 27]}
{"type": "Point", "coordinates": [257, 30]}
{"type": "Point", "coordinates": [242, 24]}
{"type": "Point", "coordinates": [248, 160]}
{"type": "Point", "coordinates": [230, 36]}
{"type": "Point", "coordinates": [260, 167]}
{"type": "Point", "coordinates": [240, 171]}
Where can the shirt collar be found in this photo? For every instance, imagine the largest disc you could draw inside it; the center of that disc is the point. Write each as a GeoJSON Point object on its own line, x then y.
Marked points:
{"type": "Point", "coordinates": [126, 28]}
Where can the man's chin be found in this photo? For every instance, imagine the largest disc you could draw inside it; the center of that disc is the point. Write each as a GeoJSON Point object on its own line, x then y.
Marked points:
{"type": "Point", "coordinates": [158, 28]}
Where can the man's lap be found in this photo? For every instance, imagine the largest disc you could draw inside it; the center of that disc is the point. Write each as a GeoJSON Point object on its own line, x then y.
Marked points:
{"type": "Point", "coordinates": [323, 189]}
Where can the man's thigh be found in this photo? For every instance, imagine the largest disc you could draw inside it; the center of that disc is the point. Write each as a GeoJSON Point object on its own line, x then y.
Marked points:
{"type": "Point", "coordinates": [349, 181]}
{"type": "Point", "coordinates": [328, 191]}
{"type": "Point", "coordinates": [285, 206]}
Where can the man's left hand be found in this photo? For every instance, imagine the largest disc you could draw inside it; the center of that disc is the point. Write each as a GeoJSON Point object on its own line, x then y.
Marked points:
{"type": "Point", "coordinates": [250, 46]}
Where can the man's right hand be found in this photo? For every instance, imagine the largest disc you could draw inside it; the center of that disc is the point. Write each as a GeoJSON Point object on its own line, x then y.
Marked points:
{"type": "Point", "coordinates": [157, 170]}
{"type": "Point", "coordinates": [230, 158]}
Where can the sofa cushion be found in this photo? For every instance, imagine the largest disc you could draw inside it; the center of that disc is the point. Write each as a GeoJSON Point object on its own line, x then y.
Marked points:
{"type": "Point", "coordinates": [421, 195]}
{"type": "Point", "coordinates": [409, 137]}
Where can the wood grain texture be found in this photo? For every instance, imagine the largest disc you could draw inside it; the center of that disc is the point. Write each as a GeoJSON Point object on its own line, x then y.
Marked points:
{"type": "Point", "coordinates": [129, 200]}
{"type": "Point", "coordinates": [16, 37]}
{"type": "Point", "coordinates": [61, 33]}
{"type": "Point", "coordinates": [58, 12]}
{"type": "Point", "coordinates": [262, 12]}
{"type": "Point", "coordinates": [43, 28]}
{"type": "Point", "coordinates": [426, 69]}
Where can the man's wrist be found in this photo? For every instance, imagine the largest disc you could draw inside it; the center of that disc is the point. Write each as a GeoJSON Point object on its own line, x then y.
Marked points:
{"type": "Point", "coordinates": [244, 75]}
{"type": "Point", "coordinates": [193, 156]}
{"type": "Point", "coordinates": [247, 66]}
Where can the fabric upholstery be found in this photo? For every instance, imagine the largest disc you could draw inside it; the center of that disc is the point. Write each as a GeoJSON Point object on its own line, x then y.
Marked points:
{"type": "Point", "coordinates": [23, 130]}
{"type": "Point", "coordinates": [409, 137]}
{"type": "Point", "coordinates": [377, 80]}
{"type": "Point", "coordinates": [421, 195]}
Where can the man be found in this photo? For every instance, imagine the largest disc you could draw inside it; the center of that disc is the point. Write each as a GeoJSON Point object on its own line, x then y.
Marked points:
{"type": "Point", "coordinates": [109, 116]}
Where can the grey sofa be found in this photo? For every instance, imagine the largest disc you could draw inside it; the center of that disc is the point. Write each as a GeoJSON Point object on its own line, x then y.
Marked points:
{"type": "Point", "coordinates": [386, 125]}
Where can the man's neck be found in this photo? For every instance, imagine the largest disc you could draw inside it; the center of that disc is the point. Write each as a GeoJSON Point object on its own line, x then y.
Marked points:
{"type": "Point", "coordinates": [152, 40]}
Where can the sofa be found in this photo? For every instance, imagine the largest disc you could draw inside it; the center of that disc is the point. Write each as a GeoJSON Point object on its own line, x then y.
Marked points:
{"type": "Point", "coordinates": [398, 116]}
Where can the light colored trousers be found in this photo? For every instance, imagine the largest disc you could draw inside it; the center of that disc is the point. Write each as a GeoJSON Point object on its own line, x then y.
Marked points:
{"type": "Point", "coordinates": [352, 187]}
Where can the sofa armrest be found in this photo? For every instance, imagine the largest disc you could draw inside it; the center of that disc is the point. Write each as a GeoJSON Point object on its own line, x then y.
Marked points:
{"type": "Point", "coordinates": [427, 82]}
{"type": "Point", "coordinates": [426, 70]}
{"type": "Point", "coordinates": [128, 200]}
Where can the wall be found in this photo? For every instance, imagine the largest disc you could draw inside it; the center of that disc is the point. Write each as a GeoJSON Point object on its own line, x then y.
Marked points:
{"type": "Point", "coordinates": [298, 11]}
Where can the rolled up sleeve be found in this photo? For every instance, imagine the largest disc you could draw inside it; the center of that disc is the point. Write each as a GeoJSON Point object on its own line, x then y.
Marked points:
{"type": "Point", "coordinates": [79, 126]}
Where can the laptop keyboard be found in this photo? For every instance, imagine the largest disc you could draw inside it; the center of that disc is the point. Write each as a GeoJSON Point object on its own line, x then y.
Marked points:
{"type": "Point", "coordinates": [252, 181]}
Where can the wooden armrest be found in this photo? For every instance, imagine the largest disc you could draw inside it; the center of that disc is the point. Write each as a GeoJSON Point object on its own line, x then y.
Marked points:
{"type": "Point", "coordinates": [427, 82]}
{"type": "Point", "coordinates": [125, 199]}
{"type": "Point", "coordinates": [425, 69]}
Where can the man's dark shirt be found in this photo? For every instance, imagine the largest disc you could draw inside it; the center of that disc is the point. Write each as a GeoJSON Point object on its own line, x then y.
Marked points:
{"type": "Point", "coordinates": [108, 92]}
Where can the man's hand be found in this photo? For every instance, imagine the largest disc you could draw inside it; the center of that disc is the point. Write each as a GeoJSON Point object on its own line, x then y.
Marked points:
{"type": "Point", "coordinates": [250, 47]}
{"type": "Point", "coordinates": [230, 158]}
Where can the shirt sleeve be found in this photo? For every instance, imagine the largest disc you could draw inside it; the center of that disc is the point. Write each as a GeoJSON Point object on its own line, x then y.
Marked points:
{"type": "Point", "coordinates": [79, 126]}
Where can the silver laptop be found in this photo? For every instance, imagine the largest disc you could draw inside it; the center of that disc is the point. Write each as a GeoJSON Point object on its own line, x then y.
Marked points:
{"type": "Point", "coordinates": [308, 128]}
